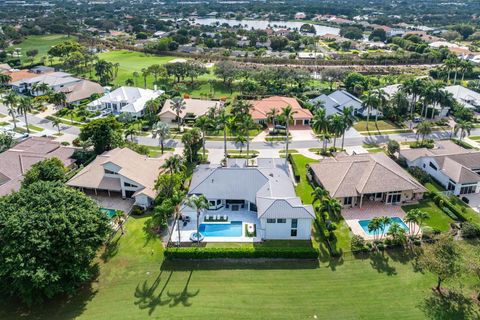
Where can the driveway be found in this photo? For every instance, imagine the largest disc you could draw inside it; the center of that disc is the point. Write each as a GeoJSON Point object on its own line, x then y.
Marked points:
{"type": "Point", "coordinates": [474, 202]}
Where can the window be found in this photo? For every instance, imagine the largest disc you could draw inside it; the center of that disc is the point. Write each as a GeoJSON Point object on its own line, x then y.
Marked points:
{"type": "Point", "coordinates": [219, 202]}
{"type": "Point", "coordinates": [253, 207]}
{"type": "Point", "coordinates": [434, 167]}
{"type": "Point", "coordinates": [126, 184]}
{"type": "Point", "coordinates": [270, 220]}
{"type": "Point", "coordinates": [110, 171]}
{"type": "Point", "coordinates": [281, 220]}
{"type": "Point", "coordinates": [468, 189]}
{"type": "Point", "coordinates": [211, 203]}
{"type": "Point", "coordinates": [293, 230]}
{"type": "Point", "coordinates": [347, 201]}
{"type": "Point", "coordinates": [424, 166]}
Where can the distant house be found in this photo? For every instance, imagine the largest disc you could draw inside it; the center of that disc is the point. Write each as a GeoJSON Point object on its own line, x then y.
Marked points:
{"type": "Point", "coordinates": [56, 81]}
{"type": "Point", "coordinates": [81, 90]}
{"type": "Point", "coordinates": [121, 172]}
{"type": "Point", "coordinates": [194, 108]}
{"type": "Point", "coordinates": [309, 55]}
{"type": "Point", "coordinates": [16, 161]}
{"type": "Point", "coordinates": [261, 193]}
{"type": "Point", "coordinates": [464, 96]}
{"type": "Point", "coordinates": [4, 67]}
{"type": "Point", "coordinates": [454, 167]}
{"type": "Point", "coordinates": [300, 15]}
{"type": "Point", "coordinates": [261, 108]}
{"type": "Point", "coordinates": [130, 100]}
{"type": "Point", "coordinates": [354, 180]}
{"type": "Point", "coordinates": [341, 99]}
{"type": "Point", "coordinates": [42, 69]}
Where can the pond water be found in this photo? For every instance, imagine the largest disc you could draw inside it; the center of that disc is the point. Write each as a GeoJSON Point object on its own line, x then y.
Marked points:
{"type": "Point", "coordinates": [263, 24]}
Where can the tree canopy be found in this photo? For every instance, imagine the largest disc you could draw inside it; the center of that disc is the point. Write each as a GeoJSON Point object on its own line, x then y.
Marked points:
{"type": "Point", "coordinates": [51, 169]}
{"type": "Point", "coordinates": [104, 133]}
{"type": "Point", "coordinates": [49, 235]}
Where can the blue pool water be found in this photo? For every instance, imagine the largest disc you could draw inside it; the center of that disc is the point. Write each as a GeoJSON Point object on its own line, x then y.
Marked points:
{"type": "Point", "coordinates": [364, 225]}
{"type": "Point", "coordinates": [233, 229]}
{"type": "Point", "coordinates": [110, 212]}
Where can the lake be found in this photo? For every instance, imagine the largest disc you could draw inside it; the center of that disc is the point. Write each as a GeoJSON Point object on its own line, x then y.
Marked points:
{"type": "Point", "coordinates": [263, 24]}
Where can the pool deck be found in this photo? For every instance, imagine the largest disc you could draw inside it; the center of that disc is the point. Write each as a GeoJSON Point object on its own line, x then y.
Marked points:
{"type": "Point", "coordinates": [369, 211]}
{"type": "Point", "coordinates": [244, 216]}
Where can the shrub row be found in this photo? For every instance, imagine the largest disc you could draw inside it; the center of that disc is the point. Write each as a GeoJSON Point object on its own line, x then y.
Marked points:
{"type": "Point", "coordinates": [442, 201]}
{"type": "Point", "coordinates": [296, 171]}
{"type": "Point", "coordinates": [241, 253]}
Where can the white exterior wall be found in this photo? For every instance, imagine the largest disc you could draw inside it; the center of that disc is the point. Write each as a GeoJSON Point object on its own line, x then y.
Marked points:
{"type": "Point", "coordinates": [281, 231]}
{"type": "Point", "coordinates": [143, 201]}
{"type": "Point", "coordinates": [169, 118]}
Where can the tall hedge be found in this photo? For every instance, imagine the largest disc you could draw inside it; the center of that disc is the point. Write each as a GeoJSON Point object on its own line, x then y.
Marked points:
{"type": "Point", "coordinates": [241, 253]}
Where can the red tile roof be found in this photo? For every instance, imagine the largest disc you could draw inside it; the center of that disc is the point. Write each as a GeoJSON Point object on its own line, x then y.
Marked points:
{"type": "Point", "coordinates": [262, 107]}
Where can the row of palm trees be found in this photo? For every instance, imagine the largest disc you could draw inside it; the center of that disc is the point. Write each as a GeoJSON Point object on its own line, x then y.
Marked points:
{"type": "Point", "coordinates": [456, 65]}
{"type": "Point", "coordinates": [332, 126]}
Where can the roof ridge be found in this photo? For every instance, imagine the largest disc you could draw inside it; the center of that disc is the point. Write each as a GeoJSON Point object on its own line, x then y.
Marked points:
{"type": "Point", "coordinates": [343, 178]}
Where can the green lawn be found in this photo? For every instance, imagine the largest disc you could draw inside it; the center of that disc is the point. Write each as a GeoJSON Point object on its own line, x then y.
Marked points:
{"type": "Point", "coordinates": [42, 43]}
{"type": "Point", "coordinates": [438, 219]}
{"type": "Point", "coordinates": [475, 138]}
{"type": "Point", "coordinates": [304, 188]}
{"type": "Point", "coordinates": [2, 115]}
{"type": "Point", "coordinates": [135, 283]}
{"type": "Point", "coordinates": [381, 125]}
{"type": "Point", "coordinates": [35, 128]}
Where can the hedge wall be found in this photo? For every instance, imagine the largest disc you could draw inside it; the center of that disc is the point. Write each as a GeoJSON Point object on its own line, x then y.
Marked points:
{"type": "Point", "coordinates": [241, 253]}
{"type": "Point", "coordinates": [296, 171]}
{"type": "Point", "coordinates": [445, 202]}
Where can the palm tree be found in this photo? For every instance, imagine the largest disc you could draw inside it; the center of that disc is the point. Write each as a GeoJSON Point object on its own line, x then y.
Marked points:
{"type": "Point", "coordinates": [177, 198]}
{"type": "Point", "coordinates": [397, 233]}
{"type": "Point", "coordinates": [449, 65]}
{"type": "Point", "coordinates": [145, 74]}
{"type": "Point", "coordinates": [161, 130]}
{"type": "Point", "coordinates": [465, 127]}
{"type": "Point", "coordinates": [24, 107]}
{"type": "Point", "coordinates": [414, 88]}
{"type": "Point", "coordinates": [119, 218]}
{"type": "Point", "coordinates": [58, 98]}
{"type": "Point", "coordinates": [203, 122]}
{"type": "Point", "coordinates": [384, 222]}
{"type": "Point", "coordinates": [178, 105]}
{"type": "Point", "coordinates": [320, 124]}
{"type": "Point", "coordinates": [56, 122]}
{"type": "Point", "coordinates": [465, 66]}
{"type": "Point", "coordinates": [42, 87]}
{"type": "Point", "coordinates": [174, 164]}
{"type": "Point", "coordinates": [319, 194]}
{"type": "Point", "coordinates": [375, 225]}
{"type": "Point", "coordinates": [416, 217]}
{"type": "Point", "coordinates": [247, 124]}
{"type": "Point", "coordinates": [287, 114]}
{"type": "Point", "coordinates": [199, 203]}
{"type": "Point", "coordinates": [348, 120]}
{"type": "Point", "coordinates": [4, 79]}
{"type": "Point", "coordinates": [11, 102]}
{"type": "Point", "coordinates": [382, 100]}
{"type": "Point", "coordinates": [135, 77]}
{"type": "Point", "coordinates": [130, 132]}
{"type": "Point", "coordinates": [332, 206]}
{"type": "Point", "coordinates": [241, 141]}
{"type": "Point", "coordinates": [336, 126]}
{"type": "Point", "coordinates": [272, 116]}
{"type": "Point", "coordinates": [424, 128]}
{"type": "Point", "coordinates": [370, 100]}
{"type": "Point", "coordinates": [222, 122]}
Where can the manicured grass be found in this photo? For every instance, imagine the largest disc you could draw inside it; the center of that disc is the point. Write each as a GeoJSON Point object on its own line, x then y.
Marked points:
{"type": "Point", "coordinates": [438, 219]}
{"type": "Point", "coordinates": [42, 43]}
{"type": "Point", "coordinates": [4, 123]}
{"type": "Point", "coordinates": [475, 138]}
{"type": "Point", "coordinates": [2, 115]}
{"type": "Point", "coordinates": [375, 150]}
{"type": "Point", "coordinates": [304, 188]}
{"type": "Point", "coordinates": [35, 128]}
{"type": "Point", "coordinates": [381, 125]}
{"type": "Point", "coordinates": [290, 151]}
{"type": "Point", "coordinates": [381, 133]}
{"type": "Point", "coordinates": [20, 130]}
{"type": "Point", "coordinates": [136, 283]}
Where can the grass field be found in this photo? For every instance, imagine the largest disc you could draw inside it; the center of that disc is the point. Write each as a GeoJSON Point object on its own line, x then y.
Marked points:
{"type": "Point", "coordinates": [42, 43]}
{"type": "Point", "coordinates": [438, 219]}
{"type": "Point", "coordinates": [134, 282]}
{"type": "Point", "coordinates": [381, 125]}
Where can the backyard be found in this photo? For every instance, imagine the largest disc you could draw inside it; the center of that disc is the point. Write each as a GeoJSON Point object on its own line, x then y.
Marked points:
{"type": "Point", "coordinates": [134, 282]}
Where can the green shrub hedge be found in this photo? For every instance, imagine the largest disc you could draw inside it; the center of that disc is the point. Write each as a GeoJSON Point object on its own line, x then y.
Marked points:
{"type": "Point", "coordinates": [241, 253]}
{"type": "Point", "coordinates": [296, 171]}
{"type": "Point", "coordinates": [443, 202]}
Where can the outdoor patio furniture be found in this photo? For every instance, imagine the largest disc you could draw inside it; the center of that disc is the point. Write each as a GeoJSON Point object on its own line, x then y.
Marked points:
{"type": "Point", "coordinates": [187, 218]}
{"type": "Point", "coordinates": [185, 223]}
{"type": "Point", "coordinates": [225, 217]}
{"type": "Point", "coordinates": [207, 217]}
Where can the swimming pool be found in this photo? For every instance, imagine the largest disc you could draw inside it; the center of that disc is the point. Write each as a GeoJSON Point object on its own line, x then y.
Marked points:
{"type": "Point", "coordinates": [110, 212]}
{"type": "Point", "coordinates": [233, 229]}
{"type": "Point", "coordinates": [364, 225]}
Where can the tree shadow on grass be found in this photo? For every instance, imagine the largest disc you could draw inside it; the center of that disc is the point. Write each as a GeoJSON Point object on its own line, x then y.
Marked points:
{"type": "Point", "coordinates": [450, 305]}
{"type": "Point", "coordinates": [111, 250]}
{"type": "Point", "coordinates": [146, 296]}
{"type": "Point", "coordinates": [381, 263]}
{"type": "Point", "coordinates": [184, 296]}
{"type": "Point", "coordinates": [149, 230]}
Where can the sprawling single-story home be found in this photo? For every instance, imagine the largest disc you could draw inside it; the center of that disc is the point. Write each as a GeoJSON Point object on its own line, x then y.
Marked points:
{"type": "Point", "coordinates": [465, 97]}
{"type": "Point", "coordinates": [260, 191]}
{"type": "Point", "coordinates": [261, 108]}
{"type": "Point", "coordinates": [81, 90]}
{"type": "Point", "coordinates": [454, 167]}
{"type": "Point", "coordinates": [56, 81]}
{"type": "Point", "coordinates": [121, 172]}
{"type": "Point", "coordinates": [130, 100]}
{"type": "Point", "coordinates": [194, 108]}
{"type": "Point", "coordinates": [336, 101]}
{"type": "Point", "coordinates": [356, 179]}
{"type": "Point", "coordinates": [16, 161]}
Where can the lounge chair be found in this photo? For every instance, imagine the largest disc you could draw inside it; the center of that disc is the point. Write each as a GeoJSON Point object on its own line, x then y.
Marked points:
{"type": "Point", "coordinates": [207, 217]}
{"type": "Point", "coordinates": [225, 217]}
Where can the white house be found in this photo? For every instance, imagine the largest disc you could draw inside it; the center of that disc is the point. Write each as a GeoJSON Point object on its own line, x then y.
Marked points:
{"type": "Point", "coordinates": [261, 191]}
{"type": "Point", "coordinates": [130, 100]}
{"type": "Point", "coordinates": [454, 167]}
{"type": "Point", "coordinates": [56, 81]}
{"type": "Point", "coordinates": [121, 172]}
{"type": "Point", "coordinates": [341, 99]}
{"type": "Point", "coordinates": [464, 96]}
